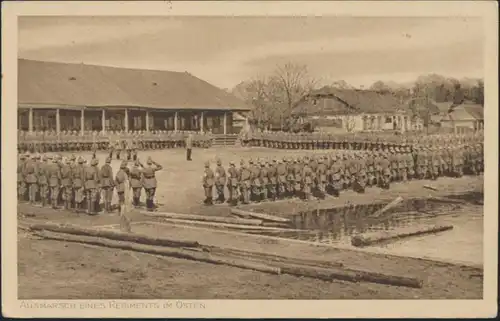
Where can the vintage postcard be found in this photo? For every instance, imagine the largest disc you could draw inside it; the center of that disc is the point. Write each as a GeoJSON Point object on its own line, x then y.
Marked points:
{"type": "Point", "coordinates": [249, 159]}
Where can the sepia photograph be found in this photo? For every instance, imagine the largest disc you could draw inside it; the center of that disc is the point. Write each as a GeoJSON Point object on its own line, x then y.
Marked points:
{"type": "Point", "coordinates": [192, 157]}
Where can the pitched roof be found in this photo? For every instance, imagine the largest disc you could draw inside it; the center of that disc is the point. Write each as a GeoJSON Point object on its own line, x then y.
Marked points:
{"type": "Point", "coordinates": [52, 83]}
{"type": "Point", "coordinates": [465, 112]}
{"type": "Point", "coordinates": [355, 101]}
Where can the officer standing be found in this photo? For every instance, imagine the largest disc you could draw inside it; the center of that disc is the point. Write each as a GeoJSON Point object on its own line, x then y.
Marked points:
{"type": "Point", "coordinates": [272, 173]}
{"type": "Point", "coordinates": [30, 178]}
{"type": "Point", "coordinates": [321, 177]}
{"type": "Point", "coordinates": [208, 184]}
{"type": "Point", "coordinates": [120, 179]}
{"type": "Point", "coordinates": [255, 180]}
{"type": "Point", "coordinates": [106, 175]}
{"type": "Point", "coordinates": [220, 182]}
{"type": "Point", "coordinates": [43, 182]}
{"type": "Point", "coordinates": [149, 178]}
{"type": "Point", "coordinates": [189, 146]}
{"type": "Point", "coordinates": [136, 182]}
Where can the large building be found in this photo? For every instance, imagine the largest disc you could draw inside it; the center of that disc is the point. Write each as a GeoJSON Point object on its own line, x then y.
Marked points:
{"type": "Point", "coordinates": [331, 109]}
{"type": "Point", "coordinates": [464, 117]}
{"type": "Point", "coordinates": [80, 97]}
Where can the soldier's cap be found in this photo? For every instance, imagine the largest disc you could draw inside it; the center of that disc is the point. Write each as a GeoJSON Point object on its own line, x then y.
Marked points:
{"type": "Point", "coordinates": [219, 162]}
{"type": "Point", "coordinates": [22, 156]}
{"type": "Point", "coordinates": [207, 164]}
{"type": "Point", "coordinates": [275, 160]}
{"type": "Point", "coordinates": [285, 160]}
{"type": "Point", "coordinates": [94, 162]}
{"type": "Point", "coordinates": [108, 160]}
{"type": "Point", "coordinates": [242, 162]}
{"type": "Point", "coordinates": [250, 161]}
{"type": "Point", "coordinates": [231, 163]}
{"type": "Point", "coordinates": [123, 164]}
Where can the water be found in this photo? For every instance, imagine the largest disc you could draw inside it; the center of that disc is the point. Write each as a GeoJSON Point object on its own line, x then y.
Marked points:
{"type": "Point", "coordinates": [337, 226]}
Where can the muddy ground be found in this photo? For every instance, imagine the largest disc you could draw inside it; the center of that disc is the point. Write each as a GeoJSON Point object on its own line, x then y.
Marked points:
{"type": "Point", "coordinates": [57, 270]}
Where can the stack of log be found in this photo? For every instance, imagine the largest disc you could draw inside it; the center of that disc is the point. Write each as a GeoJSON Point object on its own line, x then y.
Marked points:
{"type": "Point", "coordinates": [257, 261]}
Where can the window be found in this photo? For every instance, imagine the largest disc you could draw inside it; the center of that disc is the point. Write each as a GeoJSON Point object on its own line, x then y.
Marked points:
{"type": "Point", "coordinates": [314, 102]}
{"type": "Point", "coordinates": [388, 120]}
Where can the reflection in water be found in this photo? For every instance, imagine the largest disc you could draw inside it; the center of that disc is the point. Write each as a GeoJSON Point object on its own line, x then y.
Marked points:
{"type": "Point", "coordinates": [339, 224]}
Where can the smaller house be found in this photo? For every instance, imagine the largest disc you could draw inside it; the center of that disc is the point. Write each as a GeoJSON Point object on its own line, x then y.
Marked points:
{"type": "Point", "coordinates": [333, 110]}
{"type": "Point", "coordinates": [464, 117]}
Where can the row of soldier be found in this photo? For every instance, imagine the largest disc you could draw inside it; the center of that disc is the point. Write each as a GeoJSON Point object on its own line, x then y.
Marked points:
{"type": "Point", "coordinates": [352, 141]}
{"type": "Point", "coordinates": [78, 183]}
{"type": "Point", "coordinates": [41, 142]}
{"type": "Point", "coordinates": [305, 177]}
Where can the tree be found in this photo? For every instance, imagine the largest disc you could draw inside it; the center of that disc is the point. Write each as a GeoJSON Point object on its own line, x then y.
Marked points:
{"type": "Point", "coordinates": [381, 87]}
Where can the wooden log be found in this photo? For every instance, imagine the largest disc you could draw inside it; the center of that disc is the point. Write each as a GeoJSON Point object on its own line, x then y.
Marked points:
{"type": "Point", "coordinates": [163, 251]}
{"type": "Point", "coordinates": [371, 238]}
{"type": "Point", "coordinates": [111, 234]}
{"type": "Point", "coordinates": [274, 257]}
{"type": "Point", "coordinates": [191, 217]}
{"type": "Point", "coordinates": [125, 209]}
{"type": "Point", "coordinates": [384, 209]}
{"type": "Point", "coordinates": [431, 188]}
{"type": "Point", "coordinates": [273, 224]}
{"type": "Point", "coordinates": [262, 216]}
{"type": "Point", "coordinates": [226, 225]}
{"type": "Point", "coordinates": [327, 274]}
{"type": "Point", "coordinates": [447, 200]}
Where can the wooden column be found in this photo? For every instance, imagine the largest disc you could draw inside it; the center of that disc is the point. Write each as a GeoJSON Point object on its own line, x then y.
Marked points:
{"type": "Point", "coordinates": [126, 120]}
{"type": "Point", "coordinates": [30, 120]}
{"type": "Point", "coordinates": [225, 123]}
{"type": "Point", "coordinates": [103, 121]}
{"type": "Point", "coordinates": [82, 121]}
{"type": "Point", "coordinates": [202, 120]}
{"type": "Point", "coordinates": [147, 121]}
{"type": "Point", "coordinates": [176, 120]}
{"type": "Point", "coordinates": [58, 121]}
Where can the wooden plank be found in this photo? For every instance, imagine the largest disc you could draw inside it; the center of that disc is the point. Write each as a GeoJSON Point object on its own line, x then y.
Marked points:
{"type": "Point", "coordinates": [371, 238]}
{"type": "Point", "coordinates": [227, 225]}
{"type": "Point", "coordinates": [110, 234]}
{"type": "Point", "coordinates": [262, 216]}
{"type": "Point", "coordinates": [192, 217]}
{"type": "Point", "coordinates": [384, 209]}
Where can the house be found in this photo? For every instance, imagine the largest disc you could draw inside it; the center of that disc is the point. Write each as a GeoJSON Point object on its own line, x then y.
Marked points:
{"type": "Point", "coordinates": [78, 97]}
{"type": "Point", "coordinates": [464, 117]}
{"type": "Point", "coordinates": [333, 110]}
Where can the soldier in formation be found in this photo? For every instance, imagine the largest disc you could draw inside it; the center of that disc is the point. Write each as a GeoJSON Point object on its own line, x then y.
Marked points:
{"type": "Point", "coordinates": [130, 142]}
{"type": "Point", "coordinates": [320, 175]}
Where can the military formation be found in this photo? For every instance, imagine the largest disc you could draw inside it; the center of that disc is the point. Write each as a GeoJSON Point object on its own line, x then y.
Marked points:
{"type": "Point", "coordinates": [330, 174]}
{"type": "Point", "coordinates": [79, 184]}
{"type": "Point", "coordinates": [351, 141]}
{"type": "Point", "coordinates": [118, 143]}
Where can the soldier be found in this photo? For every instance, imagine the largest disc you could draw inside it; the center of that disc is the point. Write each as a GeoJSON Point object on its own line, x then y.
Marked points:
{"type": "Point", "coordinates": [307, 180]}
{"type": "Point", "coordinates": [370, 167]}
{"type": "Point", "coordinates": [297, 178]}
{"type": "Point", "coordinates": [245, 176]}
{"type": "Point", "coordinates": [189, 146]}
{"type": "Point", "coordinates": [94, 148]}
{"type": "Point", "coordinates": [43, 182]}
{"type": "Point", "coordinates": [120, 179]}
{"type": "Point", "coordinates": [361, 174]}
{"type": "Point", "coordinates": [385, 179]}
{"type": "Point", "coordinates": [91, 185]}
{"type": "Point", "coordinates": [30, 178]}
{"type": "Point", "coordinates": [336, 170]}
{"type": "Point", "coordinates": [208, 184]}
{"type": "Point", "coordinates": [220, 182]}
{"type": "Point", "coordinates": [21, 183]}
{"type": "Point", "coordinates": [255, 181]}
{"type": "Point", "coordinates": [134, 147]}
{"type": "Point", "coordinates": [233, 183]}
{"type": "Point", "coordinates": [321, 177]}
{"type": "Point", "coordinates": [118, 147]}
{"type": "Point", "coordinates": [393, 159]}
{"type": "Point", "coordinates": [53, 171]}
{"type": "Point", "coordinates": [107, 184]}
{"type": "Point", "coordinates": [111, 148]}
{"type": "Point", "coordinates": [410, 164]}
{"type": "Point", "coordinates": [281, 173]}
{"type": "Point", "coordinates": [264, 180]}
{"type": "Point", "coordinates": [77, 176]}
{"type": "Point", "coordinates": [136, 182]}
{"type": "Point", "coordinates": [149, 178]}
{"type": "Point", "coordinates": [272, 174]}
{"type": "Point", "coordinates": [66, 183]}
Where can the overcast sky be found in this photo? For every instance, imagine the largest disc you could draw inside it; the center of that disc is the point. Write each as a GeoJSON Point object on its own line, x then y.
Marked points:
{"type": "Point", "coordinates": [226, 51]}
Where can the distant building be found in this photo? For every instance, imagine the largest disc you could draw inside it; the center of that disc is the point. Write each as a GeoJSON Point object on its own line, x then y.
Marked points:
{"type": "Point", "coordinates": [79, 97]}
{"type": "Point", "coordinates": [340, 110]}
{"type": "Point", "coordinates": [464, 117]}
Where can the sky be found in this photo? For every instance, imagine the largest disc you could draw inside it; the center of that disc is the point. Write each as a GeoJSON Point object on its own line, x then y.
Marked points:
{"type": "Point", "coordinates": [228, 50]}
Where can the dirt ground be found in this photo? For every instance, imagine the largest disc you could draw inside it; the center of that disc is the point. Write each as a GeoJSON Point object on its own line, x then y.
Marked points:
{"type": "Point", "coordinates": [57, 270]}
